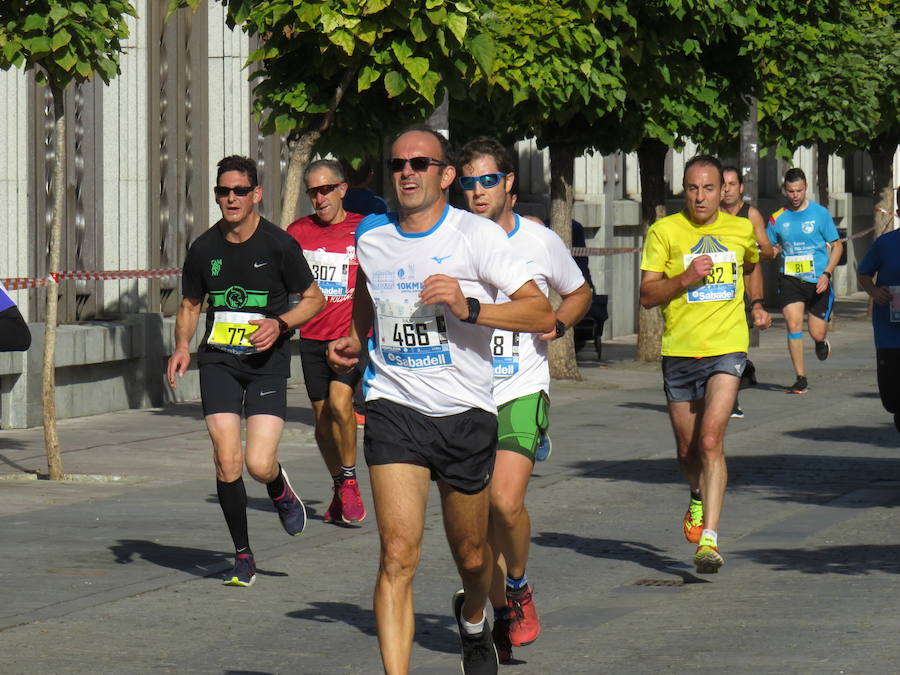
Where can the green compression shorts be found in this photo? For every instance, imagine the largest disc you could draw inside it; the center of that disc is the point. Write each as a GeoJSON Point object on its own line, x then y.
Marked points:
{"type": "Point", "coordinates": [521, 422]}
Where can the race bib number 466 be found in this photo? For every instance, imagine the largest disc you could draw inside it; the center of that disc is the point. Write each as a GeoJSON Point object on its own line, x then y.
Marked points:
{"type": "Point", "coordinates": [413, 336]}
{"type": "Point", "coordinates": [720, 283]}
{"type": "Point", "coordinates": [231, 332]}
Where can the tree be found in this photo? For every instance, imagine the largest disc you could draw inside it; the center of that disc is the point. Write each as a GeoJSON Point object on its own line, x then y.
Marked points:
{"type": "Point", "coordinates": [338, 76]}
{"type": "Point", "coordinates": [63, 42]}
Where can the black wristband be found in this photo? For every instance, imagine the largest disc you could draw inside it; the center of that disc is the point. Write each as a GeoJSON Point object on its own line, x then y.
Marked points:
{"type": "Point", "coordinates": [757, 301]}
{"type": "Point", "coordinates": [282, 326]}
{"type": "Point", "coordinates": [474, 310]}
{"type": "Point", "coordinates": [827, 274]}
{"type": "Point", "coordinates": [560, 329]}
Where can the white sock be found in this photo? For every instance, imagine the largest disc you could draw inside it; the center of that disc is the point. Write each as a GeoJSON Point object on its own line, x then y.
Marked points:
{"type": "Point", "coordinates": [710, 534]}
{"type": "Point", "coordinates": [473, 628]}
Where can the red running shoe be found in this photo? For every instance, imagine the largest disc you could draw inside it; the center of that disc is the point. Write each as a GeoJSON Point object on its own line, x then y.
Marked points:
{"type": "Point", "coordinates": [333, 514]}
{"type": "Point", "coordinates": [524, 624]}
{"type": "Point", "coordinates": [353, 511]}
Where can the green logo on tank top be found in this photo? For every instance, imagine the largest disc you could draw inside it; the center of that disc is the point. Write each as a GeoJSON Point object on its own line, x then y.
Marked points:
{"type": "Point", "coordinates": [236, 297]}
{"type": "Point", "coordinates": [215, 266]}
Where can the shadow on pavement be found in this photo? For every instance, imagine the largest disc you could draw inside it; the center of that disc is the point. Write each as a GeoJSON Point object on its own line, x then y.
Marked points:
{"type": "Point", "coordinates": [265, 504]}
{"type": "Point", "coordinates": [657, 407]}
{"type": "Point", "coordinates": [850, 560]}
{"type": "Point", "coordinates": [631, 551]}
{"type": "Point", "coordinates": [806, 479]}
{"type": "Point", "coordinates": [195, 561]}
{"type": "Point", "coordinates": [882, 437]}
{"type": "Point", "coordinates": [435, 632]}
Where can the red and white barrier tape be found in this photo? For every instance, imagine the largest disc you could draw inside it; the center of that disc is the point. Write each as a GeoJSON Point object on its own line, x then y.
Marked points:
{"type": "Point", "coordinates": [17, 283]}
{"type": "Point", "coordinates": [581, 251]}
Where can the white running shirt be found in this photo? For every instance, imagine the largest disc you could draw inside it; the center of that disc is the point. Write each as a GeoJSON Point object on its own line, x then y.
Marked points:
{"type": "Point", "coordinates": [422, 356]}
{"type": "Point", "coordinates": [520, 359]}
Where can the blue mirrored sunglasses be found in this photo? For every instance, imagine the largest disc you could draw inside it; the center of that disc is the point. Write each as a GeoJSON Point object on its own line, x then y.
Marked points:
{"type": "Point", "coordinates": [488, 180]}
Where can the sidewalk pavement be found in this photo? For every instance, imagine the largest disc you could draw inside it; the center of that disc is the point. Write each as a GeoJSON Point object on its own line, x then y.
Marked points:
{"type": "Point", "coordinates": [117, 570]}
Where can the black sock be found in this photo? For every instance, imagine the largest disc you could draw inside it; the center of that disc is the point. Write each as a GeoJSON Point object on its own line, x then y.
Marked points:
{"type": "Point", "coordinates": [338, 478]}
{"type": "Point", "coordinates": [348, 472]}
{"type": "Point", "coordinates": [276, 487]}
{"type": "Point", "coordinates": [233, 500]}
{"type": "Point", "coordinates": [695, 494]}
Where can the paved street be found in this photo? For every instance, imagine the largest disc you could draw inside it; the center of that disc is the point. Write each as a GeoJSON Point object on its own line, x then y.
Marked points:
{"type": "Point", "coordinates": [118, 570]}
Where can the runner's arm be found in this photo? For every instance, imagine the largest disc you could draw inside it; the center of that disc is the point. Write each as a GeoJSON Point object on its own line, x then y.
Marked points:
{"type": "Point", "coordinates": [185, 326]}
{"type": "Point", "coordinates": [880, 294]}
{"type": "Point", "coordinates": [311, 303]}
{"type": "Point", "coordinates": [834, 257]}
{"type": "Point", "coordinates": [657, 289]}
{"type": "Point", "coordinates": [573, 307]}
{"type": "Point", "coordinates": [343, 353]}
{"type": "Point", "coordinates": [766, 249]}
{"type": "Point", "coordinates": [753, 287]}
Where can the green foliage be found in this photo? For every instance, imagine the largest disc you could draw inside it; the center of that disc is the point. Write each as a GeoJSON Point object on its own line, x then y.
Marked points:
{"type": "Point", "coordinates": [401, 56]}
{"type": "Point", "coordinates": [64, 41]}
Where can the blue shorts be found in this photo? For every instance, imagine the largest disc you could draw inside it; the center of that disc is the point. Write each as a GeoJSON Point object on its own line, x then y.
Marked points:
{"type": "Point", "coordinates": [684, 377]}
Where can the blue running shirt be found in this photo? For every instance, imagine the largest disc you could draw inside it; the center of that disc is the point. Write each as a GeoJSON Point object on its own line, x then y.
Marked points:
{"type": "Point", "coordinates": [803, 236]}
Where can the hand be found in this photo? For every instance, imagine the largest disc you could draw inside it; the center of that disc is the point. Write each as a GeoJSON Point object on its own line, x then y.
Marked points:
{"type": "Point", "coordinates": [697, 270]}
{"type": "Point", "coordinates": [441, 288]}
{"type": "Point", "coordinates": [777, 249]}
{"type": "Point", "coordinates": [761, 318]}
{"type": "Point", "coordinates": [881, 295]}
{"type": "Point", "coordinates": [343, 354]}
{"type": "Point", "coordinates": [178, 364]}
{"type": "Point", "coordinates": [266, 335]}
{"type": "Point", "coordinates": [822, 283]}
{"type": "Point", "coordinates": [549, 337]}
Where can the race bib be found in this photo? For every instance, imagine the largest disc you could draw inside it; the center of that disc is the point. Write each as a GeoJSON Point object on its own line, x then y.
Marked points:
{"type": "Point", "coordinates": [721, 282]}
{"type": "Point", "coordinates": [413, 336]}
{"type": "Point", "coordinates": [505, 349]}
{"type": "Point", "coordinates": [331, 270]}
{"type": "Point", "coordinates": [799, 266]}
{"type": "Point", "coordinates": [231, 332]}
{"type": "Point", "coordinates": [895, 304]}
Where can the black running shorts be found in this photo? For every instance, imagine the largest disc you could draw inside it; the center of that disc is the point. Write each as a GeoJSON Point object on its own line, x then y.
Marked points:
{"type": "Point", "coordinates": [224, 389]}
{"type": "Point", "coordinates": [317, 374]}
{"type": "Point", "coordinates": [792, 289]}
{"type": "Point", "coordinates": [458, 449]}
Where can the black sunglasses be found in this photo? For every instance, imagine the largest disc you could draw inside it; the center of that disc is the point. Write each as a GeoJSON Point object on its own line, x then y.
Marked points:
{"type": "Point", "coordinates": [488, 180]}
{"type": "Point", "coordinates": [240, 191]}
{"type": "Point", "coordinates": [322, 189]}
{"type": "Point", "coordinates": [419, 164]}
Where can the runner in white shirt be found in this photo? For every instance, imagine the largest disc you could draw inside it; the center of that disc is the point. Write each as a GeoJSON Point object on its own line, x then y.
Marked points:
{"type": "Point", "coordinates": [521, 384]}
{"type": "Point", "coordinates": [428, 275]}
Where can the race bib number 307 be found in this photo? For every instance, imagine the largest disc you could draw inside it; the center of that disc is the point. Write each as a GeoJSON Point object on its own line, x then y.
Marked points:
{"type": "Point", "coordinates": [720, 283]}
{"type": "Point", "coordinates": [331, 270]}
{"type": "Point", "coordinates": [413, 336]}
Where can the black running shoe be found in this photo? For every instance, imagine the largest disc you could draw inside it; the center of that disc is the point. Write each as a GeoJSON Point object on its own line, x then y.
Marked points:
{"type": "Point", "coordinates": [801, 386]}
{"type": "Point", "coordinates": [736, 412]}
{"type": "Point", "coordinates": [243, 573]}
{"type": "Point", "coordinates": [290, 509]}
{"type": "Point", "coordinates": [500, 634]}
{"type": "Point", "coordinates": [823, 349]}
{"type": "Point", "coordinates": [479, 656]}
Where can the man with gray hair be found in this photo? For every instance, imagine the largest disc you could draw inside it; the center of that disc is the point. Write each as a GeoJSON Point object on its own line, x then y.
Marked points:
{"type": "Point", "coordinates": [327, 238]}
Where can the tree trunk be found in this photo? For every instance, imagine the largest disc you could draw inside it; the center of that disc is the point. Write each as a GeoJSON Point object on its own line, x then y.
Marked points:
{"type": "Point", "coordinates": [561, 352]}
{"type": "Point", "coordinates": [301, 149]}
{"type": "Point", "coordinates": [652, 161]}
{"type": "Point", "coordinates": [882, 152]}
{"type": "Point", "coordinates": [750, 168]}
{"type": "Point", "coordinates": [48, 371]}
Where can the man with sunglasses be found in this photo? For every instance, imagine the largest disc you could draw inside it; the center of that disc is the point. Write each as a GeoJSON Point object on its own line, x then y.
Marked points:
{"type": "Point", "coordinates": [429, 277]}
{"type": "Point", "coordinates": [521, 384]}
{"type": "Point", "coordinates": [327, 238]}
{"type": "Point", "coordinates": [246, 267]}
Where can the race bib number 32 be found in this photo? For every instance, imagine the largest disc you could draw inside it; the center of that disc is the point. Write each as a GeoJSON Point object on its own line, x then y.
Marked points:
{"type": "Point", "coordinates": [413, 336]}
{"type": "Point", "coordinates": [720, 283]}
{"type": "Point", "coordinates": [231, 332]}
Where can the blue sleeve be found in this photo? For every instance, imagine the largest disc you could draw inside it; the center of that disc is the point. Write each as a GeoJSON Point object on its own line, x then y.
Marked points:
{"type": "Point", "coordinates": [829, 229]}
{"type": "Point", "coordinates": [771, 233]}
{"type": "Point", "coordinates": [871, 262]}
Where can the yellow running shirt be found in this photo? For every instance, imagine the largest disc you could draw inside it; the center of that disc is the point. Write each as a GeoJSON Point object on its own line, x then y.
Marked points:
{"type": "Point", "coordinates": [706, 319]}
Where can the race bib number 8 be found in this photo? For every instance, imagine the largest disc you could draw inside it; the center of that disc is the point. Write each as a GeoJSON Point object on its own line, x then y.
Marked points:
{"type": "Point", "coordinates": [331, 270]}
{"type": "Point", "coordinates": [799, 266]}
{"type": "Point", "coordinates": [505, 350]}
{"type": "Point", "coordinates": [413, 336]}
{"type": "Point", "coordinates": [721, 282]}
{"type": "Point", "coordinates": [231, 332]}
{"type": "Point", "coordinates": [895, 304]}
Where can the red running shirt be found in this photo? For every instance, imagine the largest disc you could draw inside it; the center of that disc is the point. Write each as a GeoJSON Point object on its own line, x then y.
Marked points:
{"type": "Point", "coordinates": [330, 251]}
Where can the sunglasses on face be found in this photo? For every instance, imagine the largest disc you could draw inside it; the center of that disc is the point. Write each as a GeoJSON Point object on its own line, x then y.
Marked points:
{"type": "Point", "coordinates": [241, 191]}
{"type": "Point", "coordinates": [418, 164]}
{"type": "Point", "coordinates": [488, 180]}
{"type": "Point", "coordinates": [323, 189]}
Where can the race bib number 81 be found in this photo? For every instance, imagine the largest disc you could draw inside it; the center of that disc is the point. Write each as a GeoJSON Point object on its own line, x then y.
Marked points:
{"type": "Point", "coordinates": [413, 336]}
{"type": "Point", "coordinates": [720, 283]}
{"type": "Point", "coordinates": [799, 266]}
